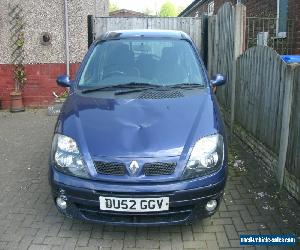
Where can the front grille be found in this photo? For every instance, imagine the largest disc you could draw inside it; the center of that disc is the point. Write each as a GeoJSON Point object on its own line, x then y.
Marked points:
{"type": "Point", "coordinates": [174, 214]}
{"type": "Point", "coordinates": [110, 168]}
{"type": "Point", "coordinates": [149, 169]}
{"type": "Point", "coordinates": [137, 219]}
{"type": "Point", "coordinates": [159, 168]}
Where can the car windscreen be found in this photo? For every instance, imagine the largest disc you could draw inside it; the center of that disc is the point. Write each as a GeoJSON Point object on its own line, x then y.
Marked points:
{"type": "Point", "coordinates": [153, 61]}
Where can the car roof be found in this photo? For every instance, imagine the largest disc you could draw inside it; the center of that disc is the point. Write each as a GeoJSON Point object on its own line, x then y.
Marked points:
{"type": "Point", "coordinates": [143, 33]}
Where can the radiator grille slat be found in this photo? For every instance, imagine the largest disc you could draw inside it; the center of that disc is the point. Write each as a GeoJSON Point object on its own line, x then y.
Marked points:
{"type": "Point", "coordinates": [110, 168]}
{"type": "Point", "coordinates": [159, 168]}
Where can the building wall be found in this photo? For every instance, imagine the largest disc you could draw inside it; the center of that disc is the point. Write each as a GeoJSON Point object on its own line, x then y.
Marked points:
{"type": "Point", "coordinates": [294, 13]}
{"type": "Point", "coordinates": [202, 9]}
{"type": "Point", "coordinates": [259, 8]}
{"type": "Point", "coordinates": [45, 16]}
{"type": "Point", "coordinates": [266, 8]}
{"type": "Point", "coordinates": [126, 13]}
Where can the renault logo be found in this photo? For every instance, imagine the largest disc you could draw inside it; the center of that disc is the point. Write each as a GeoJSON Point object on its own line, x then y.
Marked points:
{"type": "Point", "coordinates": [134, 167]}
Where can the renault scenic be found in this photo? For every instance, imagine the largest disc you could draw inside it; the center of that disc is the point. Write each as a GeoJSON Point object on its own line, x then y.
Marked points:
{"type": "Point", "coordinates": [140, 139]}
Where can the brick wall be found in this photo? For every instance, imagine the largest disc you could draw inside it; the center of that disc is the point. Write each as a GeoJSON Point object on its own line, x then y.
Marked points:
{"type": "Point", "coordinates": [258, 8]}
{"type": "Point", "coordinates": [294, 10]}
{"type": "Point", "coordinates": [200, 10]}
{"type": "Point", "coordinates": [265, 8]}
{"type": "Point", "coordinates": [41, 82]}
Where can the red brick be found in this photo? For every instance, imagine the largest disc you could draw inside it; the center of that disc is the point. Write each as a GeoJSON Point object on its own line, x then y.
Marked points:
{"type": "Point", "coordinates": [31, 69]}
{"type": "Point", "coordinates": [73, 69]}
{"type": "Point", "coordinates": [55, 70]}
{"type": "Point", "coordinates": [5, 70]}
{"type": "Point", "coordinates": [45, 69]}
{"type": "Point", "coordinates": [5, 104]}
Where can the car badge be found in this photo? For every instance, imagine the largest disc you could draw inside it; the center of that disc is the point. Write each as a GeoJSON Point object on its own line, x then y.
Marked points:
{"type": "Point", "coordinates": [134, 167]}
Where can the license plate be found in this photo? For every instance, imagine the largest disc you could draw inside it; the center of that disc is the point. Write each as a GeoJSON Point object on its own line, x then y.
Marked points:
{"type": "Point", "coordinates": [134, 204]}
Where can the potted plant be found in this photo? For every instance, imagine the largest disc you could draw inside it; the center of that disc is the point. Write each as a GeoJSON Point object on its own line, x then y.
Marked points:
{"type": "Point", "coordinates": [61, 97]}
{"type": "Point", "coordinates": [16, 96]}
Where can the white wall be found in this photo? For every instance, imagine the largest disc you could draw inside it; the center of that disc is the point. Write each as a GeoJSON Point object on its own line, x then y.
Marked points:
{"type": "Point", "coordinates": [48, 16]}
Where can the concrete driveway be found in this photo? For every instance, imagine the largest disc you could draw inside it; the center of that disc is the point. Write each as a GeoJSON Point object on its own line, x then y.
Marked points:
{"type": "Point", "coordinates": [28, 219]}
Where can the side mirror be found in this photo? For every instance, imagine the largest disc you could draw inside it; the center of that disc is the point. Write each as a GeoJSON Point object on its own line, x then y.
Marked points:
{"type": "Point", "coordinates": [63, 81]}
{"type": "Point", "coordinates": [218, 80]}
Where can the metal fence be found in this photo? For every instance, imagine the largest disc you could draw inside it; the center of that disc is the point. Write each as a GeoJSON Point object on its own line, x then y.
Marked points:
{"type": "Point", "coordinates": [263, 31]}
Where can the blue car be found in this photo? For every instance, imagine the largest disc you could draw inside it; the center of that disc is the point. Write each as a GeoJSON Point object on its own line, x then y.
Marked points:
{"type": "Point", "coordinates": [140, 140]}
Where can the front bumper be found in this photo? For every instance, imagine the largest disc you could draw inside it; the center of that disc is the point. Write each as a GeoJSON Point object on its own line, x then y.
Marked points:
{"type": "Point", "coordinates": [186, 203]}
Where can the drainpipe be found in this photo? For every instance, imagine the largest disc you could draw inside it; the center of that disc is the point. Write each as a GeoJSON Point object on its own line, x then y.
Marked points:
{"type": "Point", "coordinates": [67, 49]}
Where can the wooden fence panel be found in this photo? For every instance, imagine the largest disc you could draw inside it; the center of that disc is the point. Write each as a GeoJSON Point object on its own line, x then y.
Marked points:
{"type": "Point", "coordinates": [211, 45]}
{"type": "Point", "coordinates": [262, 95]}
{"type": "Point", "coordinates": [261, 75]}
{"type": "Point", "coordinates": [293, 153]}
{"type": "Point", "coordinates": [190, 25]}
{"type": "Point", "coordinates": [221, 49]}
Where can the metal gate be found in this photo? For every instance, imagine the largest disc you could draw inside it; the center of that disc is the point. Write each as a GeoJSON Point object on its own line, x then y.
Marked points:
{"type": "Point", "coordinates": [191, 25]}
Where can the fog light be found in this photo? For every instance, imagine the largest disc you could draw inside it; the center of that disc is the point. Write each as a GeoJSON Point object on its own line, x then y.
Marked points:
{"type": "Point", "coordinates": [61, 202]}
{"type": "Point", "coordinates": [211, 205]}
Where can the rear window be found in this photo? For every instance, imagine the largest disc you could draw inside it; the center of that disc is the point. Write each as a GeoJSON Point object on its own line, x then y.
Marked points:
{"type": "Point", "coordinates": [156, 61]}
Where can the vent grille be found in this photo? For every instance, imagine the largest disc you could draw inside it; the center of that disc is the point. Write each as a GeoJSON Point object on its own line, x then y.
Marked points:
{"type": "Point", "coordinates": [160, 94]}
{"type": "Point", "coordinates": [110, 168]}
{"type": "Point", "coordinates": [149, 169]}
{"type": "Point", "coordinates": [159, 168]}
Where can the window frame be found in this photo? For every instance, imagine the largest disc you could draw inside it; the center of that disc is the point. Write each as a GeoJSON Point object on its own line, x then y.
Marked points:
{"type": "Point", "coordinates": [281, 34]}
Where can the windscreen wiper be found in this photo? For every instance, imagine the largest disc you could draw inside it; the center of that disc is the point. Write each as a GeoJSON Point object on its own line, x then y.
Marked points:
{"type": "Point", "coordinates": [130, 85]}
{"type": "Point", "coordinates": [187, 85]}
{"type": "Point", "coordinates": [124, 92]}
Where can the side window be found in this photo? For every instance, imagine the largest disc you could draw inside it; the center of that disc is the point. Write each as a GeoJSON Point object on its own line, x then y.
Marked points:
{"type": "Point", "coordinates": [93, 65]}
{"type": "Point", "coordinates": [282, 15]}
{"type": "Point", "coordinates": [190, 65]}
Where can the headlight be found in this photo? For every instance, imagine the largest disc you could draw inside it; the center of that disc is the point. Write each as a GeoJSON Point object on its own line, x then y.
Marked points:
{"type": "Point", "coordinates": [207, 156]}
{"type": "Point", "coordinates": [66, 156]}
